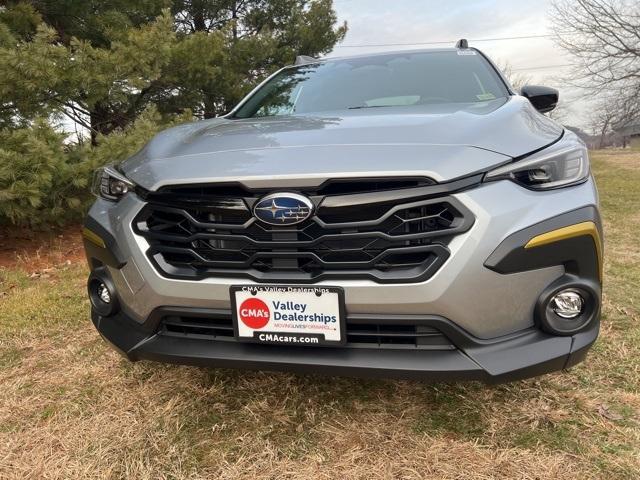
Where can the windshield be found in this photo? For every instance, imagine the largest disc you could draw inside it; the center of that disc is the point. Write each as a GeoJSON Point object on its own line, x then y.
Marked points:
{"type": "Point", "coordinates": [400, 79]}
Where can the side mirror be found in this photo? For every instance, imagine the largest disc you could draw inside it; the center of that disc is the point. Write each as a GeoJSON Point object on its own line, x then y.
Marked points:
{"type": "Point", "coordinates": [544, 99]}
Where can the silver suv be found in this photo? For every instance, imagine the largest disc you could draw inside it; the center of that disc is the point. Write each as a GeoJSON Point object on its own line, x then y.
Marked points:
{"type": "Point", "coordinates": [400, 214]}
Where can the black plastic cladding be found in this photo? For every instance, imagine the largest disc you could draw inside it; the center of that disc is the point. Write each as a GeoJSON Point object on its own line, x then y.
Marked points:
{"type": "Point", "coordinates": [529, 353]}
{"type": "Point", "coordinates": [356, 234]}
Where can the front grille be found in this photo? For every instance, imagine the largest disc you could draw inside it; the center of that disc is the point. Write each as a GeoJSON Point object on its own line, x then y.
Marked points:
{"type": "Point", "coordinates": [391, 235]}
{"type": "Point", "coordinates": [361, 332]}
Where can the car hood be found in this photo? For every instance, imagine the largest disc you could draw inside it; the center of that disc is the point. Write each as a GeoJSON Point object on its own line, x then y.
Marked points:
{"type": "Point", "coordinates": [442, 142]}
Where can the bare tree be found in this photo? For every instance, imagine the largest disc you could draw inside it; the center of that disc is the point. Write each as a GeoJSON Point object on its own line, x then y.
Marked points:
{"type": "Point", "coordinates": [561, 112]}
{"type": "Point", "coordinates": [603, 37]}
{"type": "Point", "coordinates": [518, 79]}
{"type": "Point", "coordinates": [515, 78]}
{"type": "Point", "coordinates": [602, 120]}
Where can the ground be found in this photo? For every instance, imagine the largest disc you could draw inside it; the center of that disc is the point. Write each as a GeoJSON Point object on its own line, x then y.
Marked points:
{"type": "Point", "coordinates": [70, 407]}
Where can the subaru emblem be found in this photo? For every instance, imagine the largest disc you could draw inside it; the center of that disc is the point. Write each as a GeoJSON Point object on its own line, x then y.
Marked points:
{"type": "Point", "coordinates": [283, 209]}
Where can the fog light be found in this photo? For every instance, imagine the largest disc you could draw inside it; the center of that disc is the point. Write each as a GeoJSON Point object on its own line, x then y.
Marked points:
{"type": "Point", "coordinates": [103, 293]}
{"type": "Point", "coordinates": [567, 304]}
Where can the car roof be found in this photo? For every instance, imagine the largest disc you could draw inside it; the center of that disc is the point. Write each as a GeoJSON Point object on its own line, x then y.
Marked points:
{"type": "Point", "coordinates": [389, 52]}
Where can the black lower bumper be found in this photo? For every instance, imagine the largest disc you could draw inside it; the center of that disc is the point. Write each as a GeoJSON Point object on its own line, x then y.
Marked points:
{"type": "Point", "coordinates": [527, 354]}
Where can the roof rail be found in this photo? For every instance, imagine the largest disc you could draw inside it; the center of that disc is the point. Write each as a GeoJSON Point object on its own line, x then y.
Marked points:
{"type": "Point", "coordinates": [304, 59]}
{"type": "Point", "coordinates": [462, 43]}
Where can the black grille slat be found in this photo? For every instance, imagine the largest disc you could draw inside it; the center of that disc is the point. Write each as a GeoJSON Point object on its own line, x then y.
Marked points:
{"type": "Point", "coordinates": [335, 187]}
{"type": "Point", "coordinates": [342, 264]}
{"type": "Point", "coordinates": [215, 328]}
{"type": "Point", "coordinates": [393, 334]}
{"type": "Point", "coordinates": [187, 324]}
{"type": "Point", "coordinates": [388, 242]}
{"type": "Point", "coordinates": [153, 235]}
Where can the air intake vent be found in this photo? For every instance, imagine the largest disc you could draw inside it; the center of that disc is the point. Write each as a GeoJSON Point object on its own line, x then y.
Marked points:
{"type": "Point", "coordinates": [361, 332]}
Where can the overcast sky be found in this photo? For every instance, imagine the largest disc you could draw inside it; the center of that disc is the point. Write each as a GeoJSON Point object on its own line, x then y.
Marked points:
{"type": "Point", "coordinates": [376, 22]}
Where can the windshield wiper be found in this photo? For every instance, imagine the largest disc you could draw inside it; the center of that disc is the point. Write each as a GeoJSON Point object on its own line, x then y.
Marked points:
{"type": "Point", "coordinates": [371, 106]}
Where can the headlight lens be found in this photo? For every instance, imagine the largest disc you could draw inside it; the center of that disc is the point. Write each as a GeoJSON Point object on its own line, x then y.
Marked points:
{"type": "Point", "coordinates": [545, 170]}
{"type": "Point", "coordinates": [110, 184]}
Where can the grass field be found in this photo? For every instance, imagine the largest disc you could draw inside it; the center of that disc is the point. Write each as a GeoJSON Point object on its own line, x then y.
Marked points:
{"type": "Point", "coordinates": [70, 407]}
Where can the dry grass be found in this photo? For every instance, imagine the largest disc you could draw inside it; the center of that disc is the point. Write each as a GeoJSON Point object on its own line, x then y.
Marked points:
{"type": "Point", "coordinates": [72, 408]}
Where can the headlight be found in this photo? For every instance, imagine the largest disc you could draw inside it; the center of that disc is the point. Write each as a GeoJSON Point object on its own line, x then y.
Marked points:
{"type": "Point", "coordinates": [110, 184]}
{"type": "Point", "coordinates": [550, 168]}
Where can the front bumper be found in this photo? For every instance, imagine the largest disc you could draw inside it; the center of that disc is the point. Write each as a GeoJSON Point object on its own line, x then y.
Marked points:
{"type": "Point", "coordinates": [501, 303]}
{"type": "Point", "coordinates": [485, 298]}
{"type": "Point", "coordinates": [526, 354]}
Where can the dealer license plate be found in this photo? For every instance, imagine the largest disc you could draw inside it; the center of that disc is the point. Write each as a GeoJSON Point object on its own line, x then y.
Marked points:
{"type": "Point", "coordinates": [288, 315]}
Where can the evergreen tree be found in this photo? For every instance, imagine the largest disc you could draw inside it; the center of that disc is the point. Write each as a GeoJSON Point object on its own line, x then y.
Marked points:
{"type": "Point", "coordinates": [103, 62]}
{"type": "Point", "coordinates": [123, 70]}
{"type": "Point", "coordinates": [257, 36]}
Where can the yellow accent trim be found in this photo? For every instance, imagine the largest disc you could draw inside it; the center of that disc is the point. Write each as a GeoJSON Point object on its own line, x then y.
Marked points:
{"type": "Point", "coordinates": [93, 237]}
{"type": "Point", "coordinates": [577, 230]}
